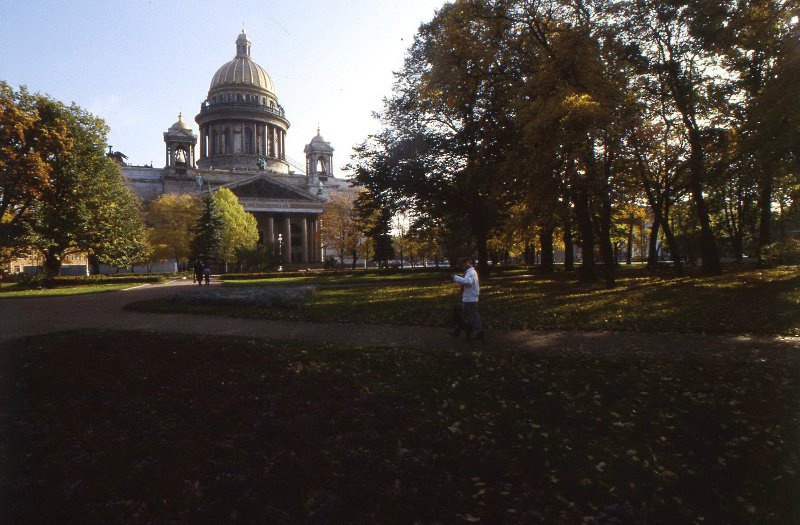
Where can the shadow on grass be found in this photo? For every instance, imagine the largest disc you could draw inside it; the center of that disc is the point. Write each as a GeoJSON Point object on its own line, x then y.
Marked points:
{"type": "Point", "coordinates": [121, 427]}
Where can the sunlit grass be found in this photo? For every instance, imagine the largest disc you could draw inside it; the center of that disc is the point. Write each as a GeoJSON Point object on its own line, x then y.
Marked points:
{"type": "Point", "coordinates": [755, 301]}
{"type": "Point", "coordinates": [13, 291]}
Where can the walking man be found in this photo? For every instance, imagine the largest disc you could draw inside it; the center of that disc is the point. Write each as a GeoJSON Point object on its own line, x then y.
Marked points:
{"type": "Point", "coordinates": [471, 288]}
{"type": "Point", "coordinates": [198, 272]}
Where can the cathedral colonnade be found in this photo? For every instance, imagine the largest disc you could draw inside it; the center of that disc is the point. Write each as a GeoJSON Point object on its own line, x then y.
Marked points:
{"type": "Point", "coordinates": [299, 235]}
{"type": "Point", "coordinates": [242, 138]}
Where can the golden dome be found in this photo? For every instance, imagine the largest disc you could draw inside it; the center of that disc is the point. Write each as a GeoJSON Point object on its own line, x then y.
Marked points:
{"type": "Point", "coordinates": [242, 71]}
{"type": "Point", "coordinates": [180, 125]}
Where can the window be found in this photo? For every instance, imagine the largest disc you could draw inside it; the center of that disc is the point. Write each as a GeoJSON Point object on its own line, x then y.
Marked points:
{"type": "Point", "coordinates": [247, 147]}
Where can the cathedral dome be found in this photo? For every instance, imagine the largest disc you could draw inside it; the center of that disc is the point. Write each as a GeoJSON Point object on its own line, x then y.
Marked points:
{"type": "Point", "coordinates": [242, 71]}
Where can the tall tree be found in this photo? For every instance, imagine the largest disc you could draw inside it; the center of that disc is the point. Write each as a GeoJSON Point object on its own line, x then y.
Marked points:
{"type": "Point", "coordinates": [757, 40]}
{"type": "Point", "coordinates": [668, 38]}
{"type": "Point", "coordinates": [82, 206]}
{"type": "Point", "coordinates": [207, 241]}
{"type": "Point", "coordinates": [27, 142]}
{"type": "Point", "coordinates": [239, 228]}
{"type": "Point", "coordinates": [447, 122]}
{"type": "Point", "coordinates": [339, 226]}
{"type": "Point", "coordinates": [120, 236]}
{"type": "Point", "coordinates": [172, 218]}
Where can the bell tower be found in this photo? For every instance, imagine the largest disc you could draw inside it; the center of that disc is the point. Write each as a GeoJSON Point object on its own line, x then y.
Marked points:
{"type": "Point", "coordinates": [180, 141]}
{"type": "Point", "coordinates": [319, 160]}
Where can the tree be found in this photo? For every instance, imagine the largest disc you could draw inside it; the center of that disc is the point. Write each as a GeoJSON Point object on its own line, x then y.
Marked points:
{"type": "Point", "coordinates": [658, 152]}
{"type": "Point", "coordinates": [207, 241]}
{"type": "Point", "coordinates": [759, 47]}
{"type": "Point", "coordinates": [27, 142]}
{"type": "Point", "coordinates": [372, 218]}
{"type": "Point", "coordinates": [239, 228]}
{"type": "Point", "coordinates": [82, 206]}
{"type": "Point", "coordinates": [674, 55]}
{"type": "Point", "coordinates": [172, 218]}
{"type": "Point", "coordinates": [446, 126]}
{"type": "Point", "coordinates": [121, 236]}
{"type": "Point", "coordinates": [338, 226]}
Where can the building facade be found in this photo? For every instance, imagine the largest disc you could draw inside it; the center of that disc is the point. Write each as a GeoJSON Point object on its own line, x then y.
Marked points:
{"type": "Point", "coordinates": [241, 145]}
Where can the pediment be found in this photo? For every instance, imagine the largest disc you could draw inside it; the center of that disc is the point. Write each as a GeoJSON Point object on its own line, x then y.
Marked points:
{"type": "Point", "coordinates": [262, 187]}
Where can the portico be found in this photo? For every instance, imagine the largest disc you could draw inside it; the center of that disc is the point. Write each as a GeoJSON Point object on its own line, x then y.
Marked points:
{"type": "Point", "coordinates": [287, 217]}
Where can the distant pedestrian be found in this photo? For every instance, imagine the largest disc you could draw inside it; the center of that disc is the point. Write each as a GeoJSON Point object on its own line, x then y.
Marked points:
{"type": "Point", "coordinates": [471, 289]}
{"type": "Point", "coordinates": [207, 274]}
{"type": "Point", "coordinates": [198, 272]}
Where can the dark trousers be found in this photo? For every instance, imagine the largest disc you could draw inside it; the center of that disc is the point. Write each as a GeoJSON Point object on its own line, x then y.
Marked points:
{"type": "Point", "coordinates": [471, 316]}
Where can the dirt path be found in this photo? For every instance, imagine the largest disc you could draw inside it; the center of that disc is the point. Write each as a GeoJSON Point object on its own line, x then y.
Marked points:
{"type": "Point", "coordinates": [30, 316]}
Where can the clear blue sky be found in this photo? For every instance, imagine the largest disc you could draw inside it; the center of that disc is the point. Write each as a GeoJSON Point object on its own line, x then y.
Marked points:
{"type": "Point", "coordinates": [138, 63]}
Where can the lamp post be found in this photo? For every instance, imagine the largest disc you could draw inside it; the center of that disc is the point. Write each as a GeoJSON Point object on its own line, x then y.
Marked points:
{"type": "Point", "coordinates": [280, 251]}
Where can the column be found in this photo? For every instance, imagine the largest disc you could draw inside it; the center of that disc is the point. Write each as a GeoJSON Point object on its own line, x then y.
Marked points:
{"type": "Point", "coordinates": [167, 159]}
{"type": "Point", "coordinates": [270, 141]}
{"type": "Point", "coordinates": [304, 230]}
{"type": "Point", "coordinates": [287, 239]}
{"type": "Point", "coordinates": [317, 240]}
{"type": "Point", "coordinates": [271, 229]}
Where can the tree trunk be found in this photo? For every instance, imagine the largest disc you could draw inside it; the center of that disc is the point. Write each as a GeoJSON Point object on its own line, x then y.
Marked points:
{"type": "Point", "coordinates": [606, 249]}
{"type": "Point", "coordinates": [483, 254]}
{"type": "Point", "coordinates": [674, 249]}
{"type": "Point", "coordinates": [629, 255]}
{"type": "Point", "coordinates": [94, 265]}
{"type": "Point", "coordinates": [354, 253]}
{"type": "Point", "coordinates": [587, 269]}
{"type": "Point", "coordinates": [652, 249]}
{"type": "Point", "coordinates": [546, 240]}
{"type": "Point", "coordinates": [736, 244]}
{"type": "Point", "coordinates": [697, 170]}
{"type": "Point", "coordinates": [52, 262]}
{"type": "Point", "coordinates": [569, 251]}
{"type": "Point", "coordinates": [765, 204]}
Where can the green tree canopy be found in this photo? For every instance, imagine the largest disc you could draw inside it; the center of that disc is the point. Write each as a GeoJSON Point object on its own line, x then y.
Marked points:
{"type": "Point", "coordinates": [172, 218]}
{"type": "Point", "coordinates": [60, 193]}
{"type": "Point", "coordinates": [239, 228]}
{"type": "Point", "coordinates": [207, 241]}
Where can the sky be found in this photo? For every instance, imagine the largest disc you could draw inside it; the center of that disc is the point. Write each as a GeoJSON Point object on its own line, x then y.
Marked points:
{"type": "Point", "coordinates": [138, 63]}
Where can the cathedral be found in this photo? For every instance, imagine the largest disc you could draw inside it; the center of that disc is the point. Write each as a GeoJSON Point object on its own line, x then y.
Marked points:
{"type": "Point", "coordinates": [242, 132]}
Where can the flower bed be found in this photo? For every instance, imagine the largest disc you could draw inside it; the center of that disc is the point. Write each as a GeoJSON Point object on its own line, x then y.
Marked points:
{"type": "Point", "coordinates": [273, 296]}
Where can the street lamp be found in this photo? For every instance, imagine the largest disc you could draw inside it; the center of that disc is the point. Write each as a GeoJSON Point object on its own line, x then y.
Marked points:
{"type": "Point", "coordinates": [280, 251]}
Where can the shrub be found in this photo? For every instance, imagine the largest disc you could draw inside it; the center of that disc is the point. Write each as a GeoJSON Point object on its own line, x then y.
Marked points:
{"type": "Point", "coordinates": [258, 259]}
{"type": "Point", "coordinates": [41, 279]}
{"type": "Point", "coordinates": [781, 252]}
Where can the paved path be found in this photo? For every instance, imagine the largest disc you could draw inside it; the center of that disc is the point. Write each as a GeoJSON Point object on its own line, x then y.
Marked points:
{"type": "Point", "coordinates": [30, 316]}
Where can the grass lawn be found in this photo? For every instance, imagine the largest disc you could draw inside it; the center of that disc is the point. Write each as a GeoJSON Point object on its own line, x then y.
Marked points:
{"type": "Point", "coordinates": [752, 301]}
{"type": "Point", "coordinates": [14, 291]}
{"type": "Point", "coordinates": [342, 278]}
{"type": "Point", "coordinates": [126, 427]}
{"type": "Point", "coordinates": [78, 286]}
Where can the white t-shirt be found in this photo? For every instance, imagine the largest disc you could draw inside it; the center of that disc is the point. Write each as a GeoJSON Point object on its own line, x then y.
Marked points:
{"type": "Point", "coordinates": [472, 286]}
